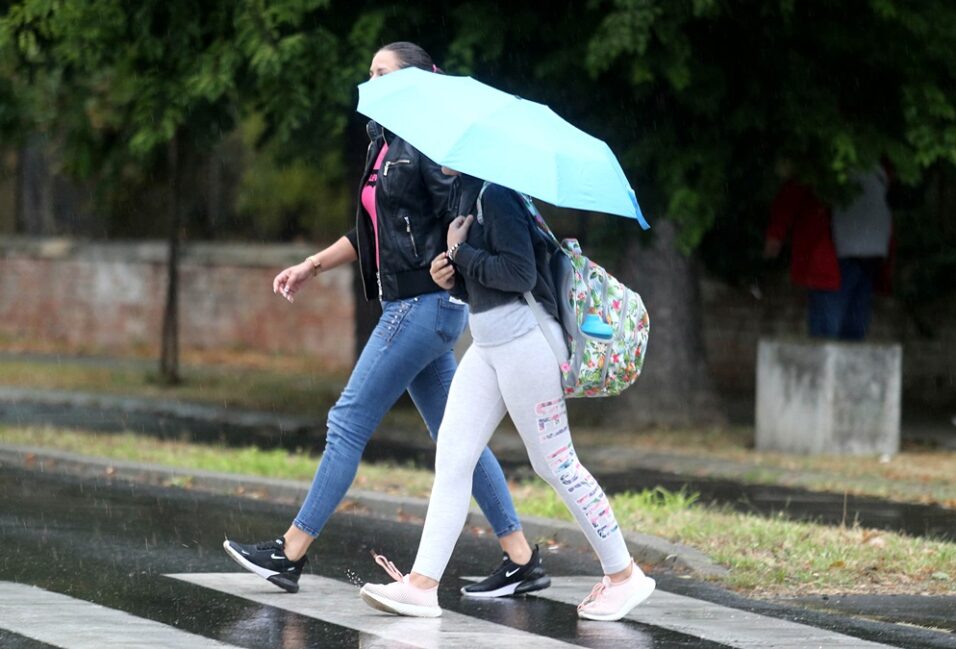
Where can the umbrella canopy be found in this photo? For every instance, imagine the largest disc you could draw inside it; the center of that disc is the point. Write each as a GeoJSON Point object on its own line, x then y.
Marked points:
{"type": "Point", "coordinates": [471, 127]}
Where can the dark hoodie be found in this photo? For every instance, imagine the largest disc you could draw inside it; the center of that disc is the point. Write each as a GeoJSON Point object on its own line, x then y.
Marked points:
{"type": "Point", "coordinates": [504, 255]}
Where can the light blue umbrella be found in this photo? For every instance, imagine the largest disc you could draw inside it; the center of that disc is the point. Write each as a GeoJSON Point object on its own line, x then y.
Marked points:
{"type": "Point", "coordinates": [471, 127]}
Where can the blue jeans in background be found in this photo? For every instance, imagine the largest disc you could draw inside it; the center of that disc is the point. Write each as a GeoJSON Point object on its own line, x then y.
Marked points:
{"type": "Point", "coordinates": [410, 349]}
{"type": "Point", "coordinates": [845, 314]}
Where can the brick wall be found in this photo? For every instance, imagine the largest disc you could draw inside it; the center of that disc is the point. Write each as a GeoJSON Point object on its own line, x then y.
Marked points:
{"type": "Point", "coordinates": [108, 297]}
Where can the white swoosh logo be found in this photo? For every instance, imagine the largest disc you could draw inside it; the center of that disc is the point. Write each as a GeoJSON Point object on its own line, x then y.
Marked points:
{"type": "Point", "coordinates": [276, 557]}
{"type": "Point", "coordinates": [508, 573]}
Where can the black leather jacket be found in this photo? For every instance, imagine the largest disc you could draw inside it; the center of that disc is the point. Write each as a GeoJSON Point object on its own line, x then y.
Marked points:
{"type": "Point", "coordinates": [414, 202]}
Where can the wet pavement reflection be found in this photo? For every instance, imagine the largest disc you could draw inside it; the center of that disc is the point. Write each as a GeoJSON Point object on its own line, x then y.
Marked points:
{"type": "Point", "coordinates": [112, 544]}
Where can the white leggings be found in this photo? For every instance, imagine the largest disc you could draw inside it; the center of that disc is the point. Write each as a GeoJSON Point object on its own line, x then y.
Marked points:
{"type": "Point", "coordinates": [521, 378]}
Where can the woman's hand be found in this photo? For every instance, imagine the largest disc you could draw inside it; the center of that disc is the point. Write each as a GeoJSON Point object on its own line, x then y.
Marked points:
{"type": "Point", "coordinates": [291, 279]}
{"type": "Point", "coordinates": [443, 273]}
{"type": "Point", "coordinates": [458, 230]}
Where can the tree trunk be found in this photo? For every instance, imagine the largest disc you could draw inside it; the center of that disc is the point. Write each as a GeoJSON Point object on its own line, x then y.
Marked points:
{"type": "Point", "coordinates": [169, 354]}
{"type": "Point", "coordinates": [34, 202]}
{"type": "Point", "coordinates": [675, 387]}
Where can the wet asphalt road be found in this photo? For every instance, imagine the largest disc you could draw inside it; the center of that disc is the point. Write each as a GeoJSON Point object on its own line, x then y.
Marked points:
{"type": "Point", "coordinates": [112, 544]}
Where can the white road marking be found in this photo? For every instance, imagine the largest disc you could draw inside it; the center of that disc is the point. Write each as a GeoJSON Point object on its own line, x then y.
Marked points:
{"type": "Point", "coordinates": [76, 624]}
{"type": "Point", "coordinates": [72, 623]}
{"type": "Point", "coordinates": [721, 624]}
{"type": "Point", "coordinates": [338, 603]}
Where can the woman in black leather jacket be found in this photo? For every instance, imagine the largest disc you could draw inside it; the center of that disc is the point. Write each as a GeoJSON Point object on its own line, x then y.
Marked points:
{"type": "Point", "coordinates": [405, 206]}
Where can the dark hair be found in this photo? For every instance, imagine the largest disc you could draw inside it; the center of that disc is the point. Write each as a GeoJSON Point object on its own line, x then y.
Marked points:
{"type": "Point", "coordinates": [411, 55]}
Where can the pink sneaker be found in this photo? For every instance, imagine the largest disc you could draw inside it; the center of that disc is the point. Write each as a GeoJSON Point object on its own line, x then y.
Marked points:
{"type": "Point", "coordinates": [400, 597]}
{"type": "Point", "coordinates": [609, 602]}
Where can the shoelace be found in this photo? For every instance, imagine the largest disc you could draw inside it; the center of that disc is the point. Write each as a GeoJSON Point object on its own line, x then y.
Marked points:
{"type": "Point", "coordinates": [387, 566]}
{"type": "Point", "coordinates": [596, 592]}
{"type": "Point", "coordinates": [271, 545]}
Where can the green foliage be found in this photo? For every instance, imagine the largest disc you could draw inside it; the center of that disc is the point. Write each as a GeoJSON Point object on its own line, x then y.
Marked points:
{"type": "Point", "coordinates": [299, 197]}
{"type": "Point", "coordinates": [115, 82]}
{"type": "Point", "coordinates": [701, 99]}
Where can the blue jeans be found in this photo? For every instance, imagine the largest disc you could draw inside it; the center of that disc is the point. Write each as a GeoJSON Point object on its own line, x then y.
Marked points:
{"type": "Point", "coordinates": [410, 348]}
{"type": "Point", "coordinates": [845, 313]}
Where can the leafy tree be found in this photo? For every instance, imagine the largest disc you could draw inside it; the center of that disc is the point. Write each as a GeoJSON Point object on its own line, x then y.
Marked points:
{"type": "Point", "coordinates": [701, 99]}
{"type": "Point", "coordinates": [150, 83]}
{"type": "Point", "coordinates": [731, 89]}
{"type": "Point", "coordinates": [283, 197]}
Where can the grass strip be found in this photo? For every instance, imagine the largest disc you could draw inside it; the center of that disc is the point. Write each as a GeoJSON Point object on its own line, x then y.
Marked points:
{"type": "Point", "coordinates": [302, 393]}
{"type": "Point", "coordinates": [287, 385]}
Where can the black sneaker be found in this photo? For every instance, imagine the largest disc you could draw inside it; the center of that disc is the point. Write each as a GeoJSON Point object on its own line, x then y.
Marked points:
{"type": "Point", "coordinates": [511, 578]}
{"type": "Point", "coordinates": [268, 560]}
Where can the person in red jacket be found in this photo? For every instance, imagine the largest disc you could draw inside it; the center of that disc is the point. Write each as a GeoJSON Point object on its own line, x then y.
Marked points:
{"type": "Point", "coordinates": [838, 254]}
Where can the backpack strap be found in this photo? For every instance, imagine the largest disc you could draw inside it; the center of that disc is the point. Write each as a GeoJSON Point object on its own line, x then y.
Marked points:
{"type": "Point", "coordinates": [560, 350]}
{"type": "Point", "coordinates": [532, 210]}
{"type": "Point", "coordinates": [479, 213]}
{"type": "Point", "coordinates": [539, 221]}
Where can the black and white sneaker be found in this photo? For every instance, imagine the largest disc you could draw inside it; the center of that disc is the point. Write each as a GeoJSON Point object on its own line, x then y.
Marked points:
{"type": "Point", "coordinates": [511, 578]}
{"type": "Point", "coordinates": [268, 560]}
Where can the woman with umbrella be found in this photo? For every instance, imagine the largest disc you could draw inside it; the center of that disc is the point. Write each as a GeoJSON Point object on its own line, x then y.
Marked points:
{"type": "Point", "coordinates": [510, 368]}
{"type": "Point", "coordinates": [405, 205]}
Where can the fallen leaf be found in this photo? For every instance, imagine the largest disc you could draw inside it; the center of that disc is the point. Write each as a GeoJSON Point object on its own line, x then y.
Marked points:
{"type": "Point", "coordinates": [872, 537]}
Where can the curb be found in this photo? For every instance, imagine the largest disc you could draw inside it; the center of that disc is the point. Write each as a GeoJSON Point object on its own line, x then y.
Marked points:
{"type": "Point", "coordinates": [645, 549]}
{"type": "Point", "coordinates": [152, 406]}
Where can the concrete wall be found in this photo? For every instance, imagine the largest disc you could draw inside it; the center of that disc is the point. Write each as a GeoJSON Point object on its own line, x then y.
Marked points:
{"type": "Point", "coordinates": [108, 298]}
{"type": "Point", "coordinates": [828, 397]}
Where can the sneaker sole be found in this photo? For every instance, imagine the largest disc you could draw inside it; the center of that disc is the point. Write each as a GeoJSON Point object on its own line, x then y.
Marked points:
{"type": "Point", "coordinates": [519, 588]}
{"type": "Point", "coordinates": [271, 576]}
{"type": "Point", "coordinates": [647, 587]}
{"type": "Point", "coordinates": [398, 608]}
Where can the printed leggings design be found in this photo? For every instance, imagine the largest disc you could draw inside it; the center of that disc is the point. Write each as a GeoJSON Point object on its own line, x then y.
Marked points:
{"type": "Point", "coordinates": [586, 492]}
{"type": "Point", "coordinates": [520, 378]}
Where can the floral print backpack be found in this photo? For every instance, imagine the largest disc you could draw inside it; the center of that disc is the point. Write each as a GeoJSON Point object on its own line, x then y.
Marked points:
{"type": "Point", "coordinates": [597, 366]}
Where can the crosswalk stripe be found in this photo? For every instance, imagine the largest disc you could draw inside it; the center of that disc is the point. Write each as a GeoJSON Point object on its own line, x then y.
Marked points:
{"type": "Point", "coordinates": [338, 603]}
{"type": "Point", "coordinates": [72, 623]}
{"type": "Point", "coordinates": [713, 622]}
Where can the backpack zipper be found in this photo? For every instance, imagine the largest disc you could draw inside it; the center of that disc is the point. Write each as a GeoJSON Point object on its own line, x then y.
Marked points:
{"type": "Point", "coordinates": [392, 163]}
{"type": "Point", "coordinates": [408, 229]}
